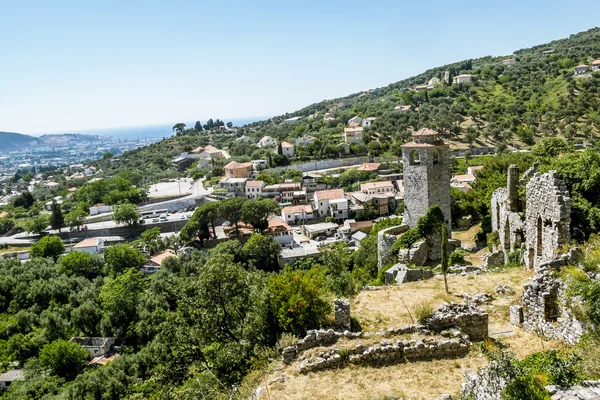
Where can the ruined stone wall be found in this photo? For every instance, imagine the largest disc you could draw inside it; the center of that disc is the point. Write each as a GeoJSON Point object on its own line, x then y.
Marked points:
{"type": "Point", "coordinates": [548, 218]}
{"type": "Point", "coordinates": [385, 240]}
{"type": "Point", "coordinates": [546, 311]}
{"type": "Point", "coordinates": [467, 318]}
{"type": "Point", "coordinates": [507, 222]}
{"type": "Point", "coordinates": [485, 384]}
{"type": "Point", "coordinates": [341, 313]}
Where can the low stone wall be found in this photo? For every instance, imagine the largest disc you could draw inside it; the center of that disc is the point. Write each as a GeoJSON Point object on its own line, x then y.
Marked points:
{"type": "Point", "coordinates": [387, 353]}
{"type": "Point", "coordinates": [485, 384]}
{"type": "Point", "coordinates": [400, 273]}
{"type": "Point", "coordinates": [467, 318]}
{"type": "Point", "coordinates": [341, 313]}
{"type": "Point", "coordinates": [546, 312]}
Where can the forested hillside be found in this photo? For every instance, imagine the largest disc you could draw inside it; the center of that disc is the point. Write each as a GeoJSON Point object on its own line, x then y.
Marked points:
{"type": "Point", "coordinates": [12, 141]}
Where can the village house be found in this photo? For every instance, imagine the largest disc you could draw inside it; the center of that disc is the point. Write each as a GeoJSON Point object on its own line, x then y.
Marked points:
{"type": "Point", "coordinates": [297, 214]}
{"type": "Point", "coordinates": [209, 152]}
{"type": "Point", "coordinates": [7, 378]}
{"type": "Point", "coordinates": [280, 230]}
{"type": "Point", "coordinates": [313, 116]}
{"type": "Point", "coordinates": [155, 263]}
{"type": "Point", "coordinates": [287, 149]}
{"type": "Point", "coordinates": [289, 256]}
{"type": "Point", "coordinates": [368, 122]}
{"type": "Point", "coordinates": [474, 170]}
{"type": "Point", "coordinates": [254, 189]}
{"type": "Point", "coordinates": [596, 65]}
{"type": "Point", "coordinates": [96, 346]}
{"type": "Point", "coordinates": [372, 188]}
{"type": "Point", "coordinates": [419, 88]}
{"type": "Point", "coordinates": [244, 139]}
{"type": "Point", "coordinates": [509, 62]}
{"type": "Point", "coordinates": [267, 141]}
{"type": "Point", "coordinates": [332, 203]}
{"type": "Point", "coordinates": [234, 186]}
{"type": "Point", "coordinates": [57, 199]}
{"type": "Point", "coordinates": [259, 165]}
{"type": "Point", "coordinates": [432, 82]}
{"type": "Point", "coordinates": [91, 245]}
{"type": "Point", "coordinates": [322, 229]}
{"type": "Point", "coordinates": [353, 135]}
{"type": "Point", "coordinates": [403, 108]}
{"type": "Point", "coordinates": [49, 185]}
{"type": "Point", "coordinates": [355, 121]}
{"type": "Point", "coordinates": [288, 192]}
{"type": "Point", "coordinates": [89, 171]}
{"type": "Point", "coordinates": [238, 170]}
{"type": "Point", "coordinates": [328, 117]}
{"type": "Point", "coordinates": [464, 78]}
{"type": "Point", "coordinates": [463, 178]}
{"type": "Point", "coordinates": [305, 140]}
{"type": "Point", "coordinates": [581, 69]}
{"type": "Point", "coordinates": [182, 161]}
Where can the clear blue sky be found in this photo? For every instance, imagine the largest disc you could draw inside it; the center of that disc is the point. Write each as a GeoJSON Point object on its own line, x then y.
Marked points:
{"type": "Point", "coordinates": [68, 65]}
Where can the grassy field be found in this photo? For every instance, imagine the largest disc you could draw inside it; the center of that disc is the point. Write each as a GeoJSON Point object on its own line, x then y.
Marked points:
{"type": "Point", "coordinates": [393, 307]}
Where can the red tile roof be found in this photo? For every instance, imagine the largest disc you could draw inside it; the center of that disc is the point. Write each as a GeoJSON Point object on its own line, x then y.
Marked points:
{"type": "Point", "coordinates": [286, 144]}
{"type": "Point", "coordinates": [303, 208]}
{"type": "Point", "coordinates": [159, 258]}
{"type": "Point", "coordinates": [235, 164]}
{"type": "Point", "coordinates": [254, 183]}
{"type": "Point", "coordinates": [92, 242]}
{"type": "Point", "coordinates": [331, 194]}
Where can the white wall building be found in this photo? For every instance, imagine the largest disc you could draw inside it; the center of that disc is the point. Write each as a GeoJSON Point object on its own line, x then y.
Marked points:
{"type": "Point", "coordinates": [331, 203]}
{"type": "Point", "coordinates": [287, 149]}
{"type": "Point", "coordinates": [254, 189]}
{"type": "Point", "coordinates": [267, 141]}
{"type": "Point", "coordinates": [368, 121]}
{"type": "Point", "coordinates": [297, 214]}
{"type": "Point", "coordinates": [92, 245]}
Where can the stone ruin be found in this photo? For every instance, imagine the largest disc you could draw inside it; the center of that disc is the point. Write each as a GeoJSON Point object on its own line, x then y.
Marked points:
{"type": "Point", "coordinates": [539, 230]}
{"type": "Point", "coordinates": [341, 313]}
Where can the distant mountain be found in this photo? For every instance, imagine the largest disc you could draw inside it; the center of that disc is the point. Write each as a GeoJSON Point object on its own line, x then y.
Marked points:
{"type": "Point", "coordinates": [11, 141]}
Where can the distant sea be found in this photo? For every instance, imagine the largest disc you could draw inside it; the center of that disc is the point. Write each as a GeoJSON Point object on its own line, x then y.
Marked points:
{"type": "Point", "coordinates": [152, 131]}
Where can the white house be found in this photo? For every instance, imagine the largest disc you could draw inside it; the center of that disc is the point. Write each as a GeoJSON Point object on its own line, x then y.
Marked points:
{"type": "Point", "coordinates": [353, 135]}
{"type": "Point", "coordinates": [287, 149]}
{"type": "Point", "coordinates": [596, 65]}
{"type": "Point", "coordinates": [267, 141]}
{"type": "Point", "coordinates": [254, 189]}
{"type": "Point", "coordinates": [259, 165]}
{"type": "Point", "coordinates": [100, 209]}
{"type": "Point", "coordinates": [368, 121]}
{"type": "Point", "coordinates": [49, 185]}
{"type": "Point", "coordinates": [509, 62]}
{"type": "Point", "coordinates": [96, 346]}
{"type": "Point", "coordinates": [464, 78]}
{"type": "Point", "coordinates": [280, 230]}
{"type": "Point", "coordinates": [331, 203]}
{"type": "Point", "coordinates": [305, 140]}
{"type": "Point", "coordinates": [89, 171]}
{"type": "Point", "coordinates": [91, 245]}
{"type": "Point", "coordinates": [235, 186]}
{"type": "Point", "coordinates": [355, 121]}
{"type": "Point", "coordinates": [244, 139]}
{"type": "Point", "coordinates": [322, 229]}
{"type": "Point", "coordinates": [432, 82]}
{"type": "Point", "coordinates": [581, 69]}
{"type": "Point", "coordinates": [297, 214]}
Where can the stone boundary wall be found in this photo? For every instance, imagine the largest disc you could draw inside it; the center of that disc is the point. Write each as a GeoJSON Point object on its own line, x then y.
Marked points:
{"type": "Point", "coordinates": [467, 318]}
{"type": "Point", "coordinates": [387, 353]}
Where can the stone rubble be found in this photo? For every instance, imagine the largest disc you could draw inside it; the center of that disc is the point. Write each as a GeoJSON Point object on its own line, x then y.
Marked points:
{"type": "Point", "coordinates": [588, 390]}
{"type": "Point", "coordinates": [341, 312]}
{"type": "Point", "coordinates": [503, 289]}
{"type": "Point", "coordinates": [477, 299]}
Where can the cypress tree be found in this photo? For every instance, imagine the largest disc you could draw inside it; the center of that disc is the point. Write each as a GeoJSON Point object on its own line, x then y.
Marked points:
{"type": "Point", "coordinates": [57, 219]}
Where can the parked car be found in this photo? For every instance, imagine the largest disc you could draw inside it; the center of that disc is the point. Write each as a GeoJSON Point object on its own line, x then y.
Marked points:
{"type": "Point", "coordinates": [320, 238]}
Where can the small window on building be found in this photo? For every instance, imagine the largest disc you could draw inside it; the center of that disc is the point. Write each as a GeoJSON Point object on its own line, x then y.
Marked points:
{"type": "Point", "coordinates": [414, 157]}
{"type": "Point", "coordinates": [435, 156]}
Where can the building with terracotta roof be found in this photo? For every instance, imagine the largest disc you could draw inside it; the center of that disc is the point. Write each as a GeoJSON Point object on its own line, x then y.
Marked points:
{"type": "Point", "coordinates": [297, 214]}
{"type": "Point", "coordinates": [581, 69]}
{"type": "Point", "coordinates": [235, 169]}
{"type": "Point", "coordinates": [287, 149]}
{"type": "Point", "coordinates": [280, 230]}
{"type": "Point", "coordinates": [328, 117]}
{"type": "Point", "coordinates": [403, 108]}
{"type": "Point", "coordinates": [370, 167]}
{"type": "Point", "coordinates": [596, 65]}
{"type": "Point", "coordinates": [509, 62]}
{"type": "Point", "coordinates": [254, 189]}
{"type": "Point", "coordinates": [155, 263]}
{"type": "Point", "coordinates": [91, 245]}
{"type": "Point", "coordinates": [234, 186]}
{"type": "Point", "coordinates": [475, 169]}
{"type": "Point", "coordinates": [377, 187]}
{"type": "Point", "coordinates": [332, 203]}
{"type": "Point", "coordinates": [353, 135]}
{"type": "Point", "coordinates": [355, 121]}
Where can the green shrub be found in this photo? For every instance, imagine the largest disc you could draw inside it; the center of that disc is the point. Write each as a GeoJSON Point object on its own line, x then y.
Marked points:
{"type": "Point", "coordinates": [458, 257]}
{"type": "Point", "coordinates": [526, 387]}
{"type": "Point", "coordinates": [406, 240]}
{"type": "Point", "coordinates": [515, 258]}
{"type": "Point", "coordinates": [423, 311]}
{"type": "Point", "coordinates": [493, 239]}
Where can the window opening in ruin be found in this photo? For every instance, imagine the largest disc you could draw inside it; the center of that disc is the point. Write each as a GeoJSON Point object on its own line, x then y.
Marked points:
{"type": "Point", "coordinates": [414, 157]}
{"type": "Point", "coordinates": [539, 237]}
{"type": "Point", "coordinates": [498, 215]}
{"type": "Point", "coordinates": [436, 157]}
{"type": "Point", "coordinates": [519, 238]}
{"type": "Point", "coordinates": [551, 308]}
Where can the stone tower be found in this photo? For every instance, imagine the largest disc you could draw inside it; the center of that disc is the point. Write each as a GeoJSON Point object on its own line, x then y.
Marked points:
{"type": "Point", "coordinates": [427, 176]}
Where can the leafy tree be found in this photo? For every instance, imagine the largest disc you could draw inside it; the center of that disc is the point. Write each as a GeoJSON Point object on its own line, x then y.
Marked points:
{"type": "Point", "coordinates": [118, 298]}
{"type": "Point", "coordinates": [296, 300]}
{"type": "Point", "coordinates": [445, 255]}
{"type": "Point", "coordinates": [230, 125]}
{"type": "Point", "coordinates": [64, 358]}
{"type": "Point", "coordinates": [37, 224]}
{"type": "Point", "coordinates": [127, 214]}
{"type": "Point", "coordinates": [262, 252]}
{"type": "Point", "coordinates": [25, 200]}
{"type": "Point", "coordinates": [204, 217]}
{"type": "Point", "coordinates": [338, 260]}
{"type": "Point", "coordinates": [76, 217]}
{"type": "Point", "coordinates": [121, 257]}
{"type": "Point", "coordinates": [81, 263]}
{"type": "Point", "coordinates": [550, 147]}
{"type": "Point", "coordinates": [48, 246]}
{"type": "Point", "coordinates": [256, 212]}
{"type": "Point", "coordinates": [231, 209]}
{"type": "Point", "coordinates": [57, 220]}
{"type": "Point", "coordinates": [179, 128]}
{"type": "Point", "coordinates": [86, 318]}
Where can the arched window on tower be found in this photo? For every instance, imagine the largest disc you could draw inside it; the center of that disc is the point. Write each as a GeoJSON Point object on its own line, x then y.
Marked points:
{"type": "Point", "coordinates": [414, 157]}
{"type": "Point", "coordinates": [435, 156]}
